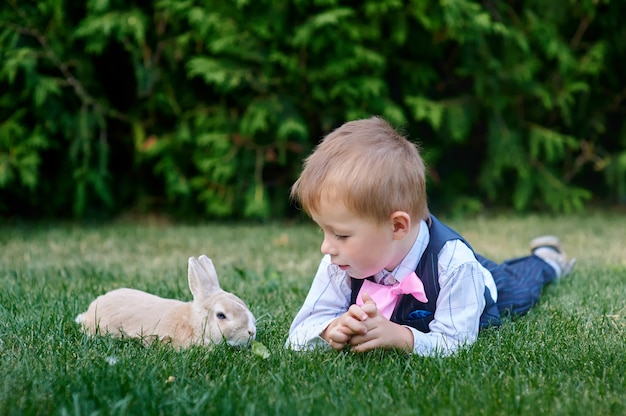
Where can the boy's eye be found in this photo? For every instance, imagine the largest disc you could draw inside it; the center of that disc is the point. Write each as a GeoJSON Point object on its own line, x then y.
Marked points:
{"type": "Point", "coordinates": [340, 237]}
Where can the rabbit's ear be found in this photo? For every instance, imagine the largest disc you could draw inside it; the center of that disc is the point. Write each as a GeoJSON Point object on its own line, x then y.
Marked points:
{"type": "Point", "coordinates": [202, 277]}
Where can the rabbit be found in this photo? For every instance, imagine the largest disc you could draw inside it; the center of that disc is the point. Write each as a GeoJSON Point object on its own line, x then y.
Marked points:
{"type": "Point", "coordinates": [212, 317]}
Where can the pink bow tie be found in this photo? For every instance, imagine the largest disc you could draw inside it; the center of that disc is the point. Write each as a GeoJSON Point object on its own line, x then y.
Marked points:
{"type": "Point", "coordinates": [386, 297]}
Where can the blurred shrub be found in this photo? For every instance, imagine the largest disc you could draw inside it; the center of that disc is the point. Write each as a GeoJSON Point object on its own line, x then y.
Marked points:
{"type": "Point", "coordinates": [207, 108]}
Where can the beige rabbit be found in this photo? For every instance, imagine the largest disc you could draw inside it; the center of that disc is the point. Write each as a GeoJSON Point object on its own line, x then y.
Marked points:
{"type": "Point", "coordinates": [212, 317]}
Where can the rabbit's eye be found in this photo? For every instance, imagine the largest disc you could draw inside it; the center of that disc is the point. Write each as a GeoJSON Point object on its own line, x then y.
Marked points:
{"type": "Point", "coordinates": [220, 315]}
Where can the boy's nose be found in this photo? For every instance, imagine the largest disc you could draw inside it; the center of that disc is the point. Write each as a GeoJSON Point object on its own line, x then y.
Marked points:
{"type": "Point", "coordinates": [328, 248]}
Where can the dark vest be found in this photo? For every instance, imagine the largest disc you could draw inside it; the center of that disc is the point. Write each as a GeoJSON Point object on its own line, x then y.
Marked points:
{"type": "Point", "coordinates": [410, 311]}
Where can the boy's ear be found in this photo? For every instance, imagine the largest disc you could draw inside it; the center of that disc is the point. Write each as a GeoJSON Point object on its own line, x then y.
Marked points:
{"type": "Point", "coordinates": [401, 223]}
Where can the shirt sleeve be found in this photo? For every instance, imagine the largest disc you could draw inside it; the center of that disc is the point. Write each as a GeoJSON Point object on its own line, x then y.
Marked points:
{"type": "Point", "coordinates": [460, 303]}
{"type": "Point", "coordinates": [328, 298]}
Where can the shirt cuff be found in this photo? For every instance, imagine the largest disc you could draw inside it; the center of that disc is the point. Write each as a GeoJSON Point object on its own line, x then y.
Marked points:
{"type": "Point", "coordinates": [309, 339]}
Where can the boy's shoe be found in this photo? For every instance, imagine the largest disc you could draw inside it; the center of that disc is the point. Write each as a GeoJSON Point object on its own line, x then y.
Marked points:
{"type": "Point", "coordinates": [549, 249]}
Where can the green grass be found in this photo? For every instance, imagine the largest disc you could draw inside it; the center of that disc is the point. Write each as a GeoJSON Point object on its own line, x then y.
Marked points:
{"type": "Point", "coordinates": [567, 356]}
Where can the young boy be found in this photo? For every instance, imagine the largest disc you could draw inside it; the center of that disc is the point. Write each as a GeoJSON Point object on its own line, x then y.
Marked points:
{"type": "Point", "coordinates": [393, 275]}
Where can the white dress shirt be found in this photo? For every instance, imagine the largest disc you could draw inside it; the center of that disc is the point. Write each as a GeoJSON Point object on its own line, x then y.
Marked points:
{"type": "Point", "coordinates": [461, 300]}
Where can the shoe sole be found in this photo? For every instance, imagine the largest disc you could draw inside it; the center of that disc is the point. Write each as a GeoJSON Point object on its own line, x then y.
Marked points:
{"type": "Point", "coordinates": [546, 241]}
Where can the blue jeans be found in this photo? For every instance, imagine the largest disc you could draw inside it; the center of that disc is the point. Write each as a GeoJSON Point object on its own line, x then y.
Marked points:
{"type": "Point", "coordinates": [519, 282]}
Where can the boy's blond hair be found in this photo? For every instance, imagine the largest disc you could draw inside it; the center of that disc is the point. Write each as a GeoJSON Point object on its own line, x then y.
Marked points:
{"type": "Point", "coordinates": [369, 167]}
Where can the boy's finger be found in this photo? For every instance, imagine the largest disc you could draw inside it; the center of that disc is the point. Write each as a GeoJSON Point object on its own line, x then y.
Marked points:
{"type": "Point", "coordinates": [369, 305]}
{"type": "Point", "coordinates": [366, 346]}
{"type": "Point", "coordinates": [336, 345]}
{"type": "Point", "coordinates": [367, 298]}
{"type": "Point", "coordinates": [338, 336]}
{"type": "Point", "coordinates": [351, 326]}
{"type": "Point", "coordinates": [357, 313]}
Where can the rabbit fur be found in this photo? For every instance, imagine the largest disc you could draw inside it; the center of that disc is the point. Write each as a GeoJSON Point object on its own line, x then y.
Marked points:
{"type": "Point", "coordinates": [213, 316]}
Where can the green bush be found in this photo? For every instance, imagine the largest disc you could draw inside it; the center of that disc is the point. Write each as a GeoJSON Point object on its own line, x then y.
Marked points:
{"type": "Point", "coordinates": [205, 108]}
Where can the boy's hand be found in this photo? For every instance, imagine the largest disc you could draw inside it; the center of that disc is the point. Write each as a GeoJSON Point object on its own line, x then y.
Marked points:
{"type": "Point", "coordinates": [339, 332]}
{"type": "Point", "coordinates": [380, 332]}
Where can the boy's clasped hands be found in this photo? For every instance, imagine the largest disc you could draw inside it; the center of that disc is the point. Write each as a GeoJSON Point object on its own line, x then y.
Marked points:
{"type": "Point", "coordinates": [364, 328]}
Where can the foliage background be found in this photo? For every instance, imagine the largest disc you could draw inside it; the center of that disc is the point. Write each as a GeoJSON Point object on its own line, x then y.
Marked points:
{"type": "Point", "coordinates": [201, 108]}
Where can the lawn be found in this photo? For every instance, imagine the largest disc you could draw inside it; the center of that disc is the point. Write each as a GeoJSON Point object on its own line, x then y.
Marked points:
{"type": "Point", "coordinates": [566, 357]}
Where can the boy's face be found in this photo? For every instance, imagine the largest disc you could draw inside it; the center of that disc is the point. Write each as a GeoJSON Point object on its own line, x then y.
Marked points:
{"type": "Point", "coordinates": [360, 246]}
